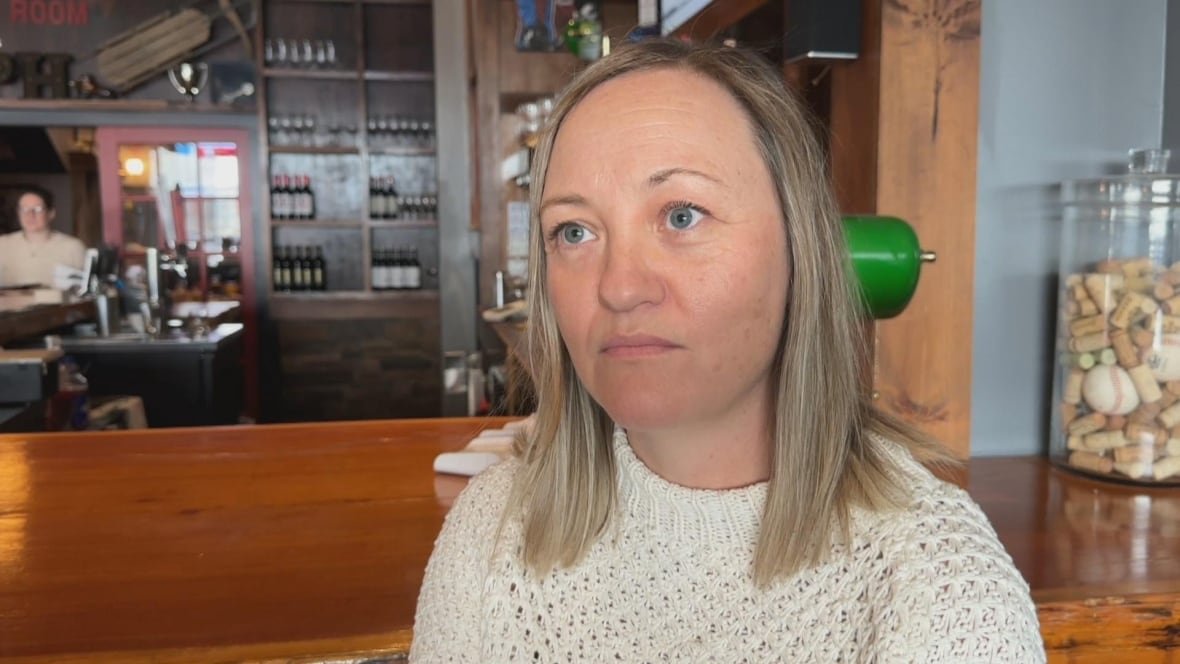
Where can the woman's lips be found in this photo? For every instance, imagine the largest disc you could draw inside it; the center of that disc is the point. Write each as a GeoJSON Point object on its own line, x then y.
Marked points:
{"type": "Point", "coordinates": [637, 345]}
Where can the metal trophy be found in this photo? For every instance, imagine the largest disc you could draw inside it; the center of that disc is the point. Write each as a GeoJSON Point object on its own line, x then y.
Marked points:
{"type": "Point", "coordinates": [188, 78]}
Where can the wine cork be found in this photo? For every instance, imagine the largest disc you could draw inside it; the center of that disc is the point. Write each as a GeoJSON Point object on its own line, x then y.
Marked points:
{"type": "Point", "coordinates": [1163, 290]}
{"type": "Point", "coordinates": [1126, 311]}
{"type": "Point", "coordinates": [1165, 468]}
{"type": "Point", "coordinates": [1168, 324]}
{"type": "Point", "coordinates": [1171, 306]}
{"type": "Point", "coordinates": [1081, 361]}
{"type": "Point", "coordinates": [1109, 266]}
{"type": "Point", "coordinates": [1124, 350]}
{"type": "Point", "coordinates": [1088, 325]}
{"type": "Point", "coordinates": [1145, 434]}
{"type": "Point", "coordinates": [1145, 384]}
{"type": "Point", "coordinates": [1072, 393]}
{"type": "Point", "coordinates": [1135, 454]}
{"type": "Point", "coordinates": [1170, 417]}
{"type": "Point", "coordinates": [1087, 307]}
{"type": "Point", "coordinates": [1072, 310]}
{"type": "Point", "coordinates": [1101, 288]}
{"type": "Point", "coordinates": [1146, 413]}
{"type": "Point", "coordinates": [1172, 447]}
{"type": "Point", "coordinates": [1142, 338]}
{"type": "Point", "coordinates": [1090, 461]}
{"type": "Point", "coordinates": [1087, 424]}
{"type": "Point", "coordinates": [1090, 342]}
{"type": "Point", "coordinates": [1068, 412]}
{"type": "Point", "coordinates": [1147, 305]}
{"type": "Point", "coordinates": [1136, 266]}
{"type": "Point", "coordinates": [1078, 292]}
{"type": "Point", "coordinates": [1167, 399]}
{"type": "Point", "coordinates": [1115, 422]}
{"type": "Point", "coordinates": [1074, 443]}
{"type": "Point", "coordinates": [1134, 469]}
{"type": "Point", "coordinates": [1141, 284]}
{"type": "Point", "coordinates": [1106, 356]}
{"type": "Point", "coordinates": [1074, 279]}
{"type": "Point", "coordinates": [1104, 440]}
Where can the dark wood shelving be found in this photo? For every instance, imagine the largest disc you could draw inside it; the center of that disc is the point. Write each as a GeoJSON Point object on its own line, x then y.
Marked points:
{"type": "Point", "coordinates": [399, 76]}
{"type": "Point", "coordinates": [314, 74]}
{"type": "Point", "coordinates": [402, 152]}
{"type": "Point", "coordinates": [399, 223]}
{"type": "Point", "coordinates": [295, 149]}
{"type": "Point", "coordinates": [316, 223]}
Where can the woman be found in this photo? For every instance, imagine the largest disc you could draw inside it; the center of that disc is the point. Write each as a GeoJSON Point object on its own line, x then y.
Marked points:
{"type": "Point", "coordinates": [706, 480]}
{"type": "Point", "coordinates": [31, 255]}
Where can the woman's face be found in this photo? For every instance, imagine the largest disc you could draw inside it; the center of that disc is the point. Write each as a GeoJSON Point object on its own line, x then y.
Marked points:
{"type": "Point", "coordinates": [666, 252]}
{"type": "Point", "coordinates": [34, 215]}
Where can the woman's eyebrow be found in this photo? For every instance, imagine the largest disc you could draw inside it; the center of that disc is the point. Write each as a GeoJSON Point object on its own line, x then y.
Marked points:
{"type": "Point", "coordinates": [662, 176]}
{"type": "Point", "coordinates": [569, 199]}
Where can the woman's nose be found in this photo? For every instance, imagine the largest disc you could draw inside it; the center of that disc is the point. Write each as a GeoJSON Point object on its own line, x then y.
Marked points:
{"type": "Point", "coordinates": [629, 276]}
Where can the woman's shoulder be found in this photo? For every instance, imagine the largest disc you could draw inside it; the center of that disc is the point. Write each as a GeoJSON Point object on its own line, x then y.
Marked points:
{"type": "Point", "coordinates": [947, 569]}
{"type": "Point", "coordinates": [934, 510]}
{"type": "Point", "coordinates": [483, 500]}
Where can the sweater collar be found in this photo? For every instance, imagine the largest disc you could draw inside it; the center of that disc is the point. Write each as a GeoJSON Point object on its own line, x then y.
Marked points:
{"type": "Point", "coordinates": [733, 514]}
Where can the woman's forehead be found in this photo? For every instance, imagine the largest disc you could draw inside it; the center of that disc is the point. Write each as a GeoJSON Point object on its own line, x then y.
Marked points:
{"type": "Point", "coordinates": [653, 120]}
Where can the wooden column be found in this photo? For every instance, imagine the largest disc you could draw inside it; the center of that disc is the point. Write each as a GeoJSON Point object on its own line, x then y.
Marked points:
{"type": "Point", "coordinates": [904, 119]}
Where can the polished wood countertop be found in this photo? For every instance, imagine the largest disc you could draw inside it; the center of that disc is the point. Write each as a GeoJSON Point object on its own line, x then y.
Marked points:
{"type": "Point", "coordinates": [30, 321]}
{"type": "Point", "coordinates": [298, 543]}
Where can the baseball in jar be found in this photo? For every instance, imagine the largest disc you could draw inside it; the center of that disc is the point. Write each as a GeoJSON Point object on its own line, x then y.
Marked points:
{"type": "Point", "coordinates": [1116, 388]}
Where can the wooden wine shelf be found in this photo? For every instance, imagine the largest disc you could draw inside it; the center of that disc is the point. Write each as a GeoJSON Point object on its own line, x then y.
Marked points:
{"type": "Point", "coordinates": [316, 223]}
{"type": "Point", "coordinates": [318, 74]}
{"type": "Point", "coordinates": [297, 149]}
{"type": "Point", "coordinates": [402, 152]}
{"type": "Point", "coordinates": [399, 76]}
{"type": "Point", "coordinates": [403, 223]}
{"type": "Point", "coordinates": [347, 305]}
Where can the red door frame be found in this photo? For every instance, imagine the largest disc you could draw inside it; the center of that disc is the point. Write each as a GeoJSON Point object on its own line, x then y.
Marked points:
{"type": "Point", "coordinates": [107, 142]}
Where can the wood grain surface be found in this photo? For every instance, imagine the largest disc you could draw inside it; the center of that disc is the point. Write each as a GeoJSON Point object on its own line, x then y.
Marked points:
{"type": "Point", "coordinates": [307, 542]}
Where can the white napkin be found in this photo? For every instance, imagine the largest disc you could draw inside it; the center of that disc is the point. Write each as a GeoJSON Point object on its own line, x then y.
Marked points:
{"type": "Point", "coordinates": [488, 448]}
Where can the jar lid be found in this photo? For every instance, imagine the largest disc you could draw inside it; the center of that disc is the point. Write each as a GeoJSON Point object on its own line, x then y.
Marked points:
{"type": "Point", "coordinates": [1146, 183]}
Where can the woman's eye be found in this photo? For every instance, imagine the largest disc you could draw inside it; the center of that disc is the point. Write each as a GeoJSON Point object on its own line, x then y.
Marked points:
{"type": "Point", "coordinates": [683, 217]}
{"type": "Point", "coordinates": [573, 233]}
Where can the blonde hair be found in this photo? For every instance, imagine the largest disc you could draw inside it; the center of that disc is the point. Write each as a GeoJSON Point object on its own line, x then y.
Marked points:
{"type": "Point", "coordinates": [824, 460]}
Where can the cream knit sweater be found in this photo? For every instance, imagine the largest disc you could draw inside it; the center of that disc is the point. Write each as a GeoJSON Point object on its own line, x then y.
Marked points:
{"type": "Point", "coordinates": [671, 582]}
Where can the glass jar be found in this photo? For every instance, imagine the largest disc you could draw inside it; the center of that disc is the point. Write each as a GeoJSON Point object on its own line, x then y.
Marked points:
{"type": "Point", "coordinates": [1116, 390]}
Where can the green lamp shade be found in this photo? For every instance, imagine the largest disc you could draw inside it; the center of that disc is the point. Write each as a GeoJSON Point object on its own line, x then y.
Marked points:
{"type": "Point", "coordinates": [887, 260]}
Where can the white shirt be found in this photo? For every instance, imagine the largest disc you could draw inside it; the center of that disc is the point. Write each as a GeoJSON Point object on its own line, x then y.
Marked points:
{"type": "Point", "coordinates": [24, 262]}
{"type": "Point", "coordinates": [671, 582]}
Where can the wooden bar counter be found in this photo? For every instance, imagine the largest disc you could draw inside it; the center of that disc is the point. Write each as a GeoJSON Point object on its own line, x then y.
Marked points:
{"type": "Point", "coordinates": [303, 543]}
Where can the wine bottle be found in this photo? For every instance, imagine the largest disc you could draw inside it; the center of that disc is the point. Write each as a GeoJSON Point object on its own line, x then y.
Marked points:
{"type": "Point", "coordinates": [310, 194]}
{"type": "Point", "coordinates": [277, 274]}
{"type": "Point", "coordinates": [392, 203]}
{"type": "Point", "coordinates": [375, 275]}
{"type": "Point", "coordinates": [276, 203]}
{"type": "Point", "coordinates": [297, 270]}
{"type": "Point", "coordinates": [376, 199]}
{"type": "Point", "coordinates": [414, 274]}
{"type": "Point", "coordinates": [308, 278]}
{"type": "Point", "coordinates": [319, 270]}
{"type": "Point", "coordinates": [285, 267]}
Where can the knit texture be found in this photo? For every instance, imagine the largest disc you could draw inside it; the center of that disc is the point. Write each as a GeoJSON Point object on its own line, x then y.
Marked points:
{"type": "Point", "coordinates": [671, 582]}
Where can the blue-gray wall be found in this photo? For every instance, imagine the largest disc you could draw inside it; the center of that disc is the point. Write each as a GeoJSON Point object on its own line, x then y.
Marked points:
{"type": "Point", "coordinates": [1066, 88]}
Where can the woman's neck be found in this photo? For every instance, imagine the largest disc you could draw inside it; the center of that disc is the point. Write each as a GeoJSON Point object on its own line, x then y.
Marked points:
{"type": "Point", "coordinates": [724, 453]}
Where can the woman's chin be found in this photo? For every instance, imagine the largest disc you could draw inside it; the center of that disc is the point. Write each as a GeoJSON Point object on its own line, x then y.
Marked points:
{"type": "Point", "coordinates": [641, 414]}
